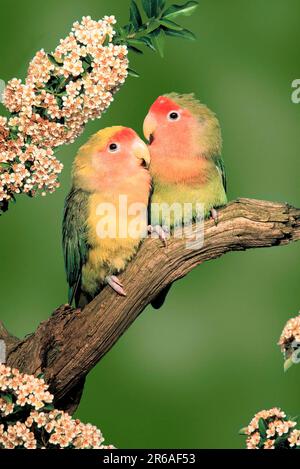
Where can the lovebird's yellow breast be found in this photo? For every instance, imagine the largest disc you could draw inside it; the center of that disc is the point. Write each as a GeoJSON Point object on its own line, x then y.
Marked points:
{"type": "Point", "coordinates": [117, 223]}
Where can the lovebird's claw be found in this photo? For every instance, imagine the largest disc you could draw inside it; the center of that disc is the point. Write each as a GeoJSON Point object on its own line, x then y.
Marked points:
{"type": "Point", "coordinates": [161, 233]}
{"type": "Point", "coordinates": [116, 285]}
{"type": "Point", "coordinates": [214, 215]}
{"type": "Point", "coordinates": [116, 280]}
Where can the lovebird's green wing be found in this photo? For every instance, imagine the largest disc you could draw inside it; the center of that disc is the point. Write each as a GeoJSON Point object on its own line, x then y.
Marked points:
{"type": "Point", "coordinates": [221, 166]}
{"type": "Point", "coordinates": [75, 244]}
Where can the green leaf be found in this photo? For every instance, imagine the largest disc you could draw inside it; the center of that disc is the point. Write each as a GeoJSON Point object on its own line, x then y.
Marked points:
{"type": "Point", "coordinates": [132, 73]}
{"type": "Point", "coordinates": [147, 41]}
{"type": "Point", "coordinates": [262, 427]}
{"type": "Point", "coordinates": [7, 397]}
{"type": "Point", "coordinates": [153, 7]}
{"type": "Point", "coordinates": [147, 7]}
{"type": "Point", "coordinates": [176, 10]}
{"type": "Point", "coordinates": [280, 441]}
{"type": "Point", "coordinates": [183, 34]}
{"type": "Point", "coordinates": [88, 59]}
{"type": "Point", "coordinates": [106, 41]}
{"type": "Point", "coordinates": [135, 42]}
{"type": "Point", "coordinates": [53, 60]}
{"type": "Point", "coordinates": [17, 409]}
{"type": "Point", "coordinates": [162, 4]}
{"type": "Point", "coordinates": [134, 49]}
{"type": "Point", "coordinates": [261, 444]}
{"type": "Point", "coordinates": [170, 25]}
{"type": "Point", "coordinates": [5, 165]}
{"type": "Point", "coordinates": [142, 41]}
{"type": "Point", "coordinates": [135, 16]}
{"type": "Point", "coordinates": [118, 29]}
{"type": "Point", "coordinates": [158, 41]}
{"type": "Point", "coordinates": [152, 26]}
{"type": "Point", "coordinates": [123, 31]}
{"type": "Point", "coordinates": [128, 29]}
{"type": "Point", "coordinates": [48, 407]}
{"type": "Point", "coordinates": [85, 65]}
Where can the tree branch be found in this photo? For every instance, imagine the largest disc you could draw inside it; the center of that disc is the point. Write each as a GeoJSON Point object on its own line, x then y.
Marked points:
{"type": "Point", "coordinates": [70, 343]}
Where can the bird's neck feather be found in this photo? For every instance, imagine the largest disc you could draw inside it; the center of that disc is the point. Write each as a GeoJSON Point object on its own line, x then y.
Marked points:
{"type": "Point", "coordinates": [180, 158]}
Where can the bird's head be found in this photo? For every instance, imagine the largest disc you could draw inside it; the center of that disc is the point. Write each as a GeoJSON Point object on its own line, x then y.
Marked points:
{"type": "Point", "coordinates": [289, 342]}
{"type": "Point", "coordinates": [179, 123]}
{"type": "Point", "coordinates": [109, 155]}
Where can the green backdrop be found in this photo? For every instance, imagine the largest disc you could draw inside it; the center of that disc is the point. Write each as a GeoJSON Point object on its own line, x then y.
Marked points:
{"type": "Point", "coordinates": [193, 373]}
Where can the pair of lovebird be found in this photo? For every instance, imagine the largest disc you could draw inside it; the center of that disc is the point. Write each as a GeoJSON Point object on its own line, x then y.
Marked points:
{"type": "Point", "coordinates": [186, 167]}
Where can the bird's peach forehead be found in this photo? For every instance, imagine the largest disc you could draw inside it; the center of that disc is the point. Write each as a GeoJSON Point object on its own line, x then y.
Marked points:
{"type": "Point", "coordinates": [124, 135]}
{"type": "Point", "coordinates": [163, 105]}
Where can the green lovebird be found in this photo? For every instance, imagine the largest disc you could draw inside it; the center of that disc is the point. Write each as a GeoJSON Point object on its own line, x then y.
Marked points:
{"type": "Point", "coordinates": [185, 146]}
{"type": "Point", "coordinates": [112, 164]}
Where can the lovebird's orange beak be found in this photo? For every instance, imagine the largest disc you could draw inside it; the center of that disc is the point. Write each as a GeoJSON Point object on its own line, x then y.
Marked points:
{"type": "Point", "coordinates": [150, 125]}
{"type": "Point", "coordinates": [140, 151]}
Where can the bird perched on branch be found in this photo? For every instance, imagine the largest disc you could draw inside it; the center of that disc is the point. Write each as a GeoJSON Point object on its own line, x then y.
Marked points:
{"type": "Point", "coordinates": [185, 146]}
{"type": "Point", "coordinates": [109, 196]}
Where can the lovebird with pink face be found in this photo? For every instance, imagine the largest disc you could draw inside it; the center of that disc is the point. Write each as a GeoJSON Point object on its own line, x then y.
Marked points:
{"type": "Point", "coordinates": [185, 145]}
{"type": "Point", "coordinates": [96, 242]}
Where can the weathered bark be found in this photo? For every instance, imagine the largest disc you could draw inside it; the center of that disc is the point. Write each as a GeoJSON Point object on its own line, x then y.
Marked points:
{"type": "Point", "coordinates": [70, 343]}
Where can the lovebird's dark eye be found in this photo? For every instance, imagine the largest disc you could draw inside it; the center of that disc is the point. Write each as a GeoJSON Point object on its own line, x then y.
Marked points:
{"type": "Point", "coordinates": [173, 116]}
{"type": "Point", "coordinates": [113, 148]}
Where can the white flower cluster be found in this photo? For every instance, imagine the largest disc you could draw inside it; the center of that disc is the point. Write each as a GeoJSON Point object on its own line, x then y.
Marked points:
{"type": "Point", "coordinates": [25, 422]}
{"type": "Point", "coordinates": [62, 92]}
{"type": "Point", "coordinates": [270, 427]}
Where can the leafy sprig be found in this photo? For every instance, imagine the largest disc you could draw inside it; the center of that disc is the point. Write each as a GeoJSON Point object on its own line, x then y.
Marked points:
{"type": "Point", "coordinates": [150, 27]}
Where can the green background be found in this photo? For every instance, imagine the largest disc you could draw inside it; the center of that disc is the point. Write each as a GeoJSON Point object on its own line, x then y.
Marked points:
{"type": "Point", "coordinates": [195, 372]}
